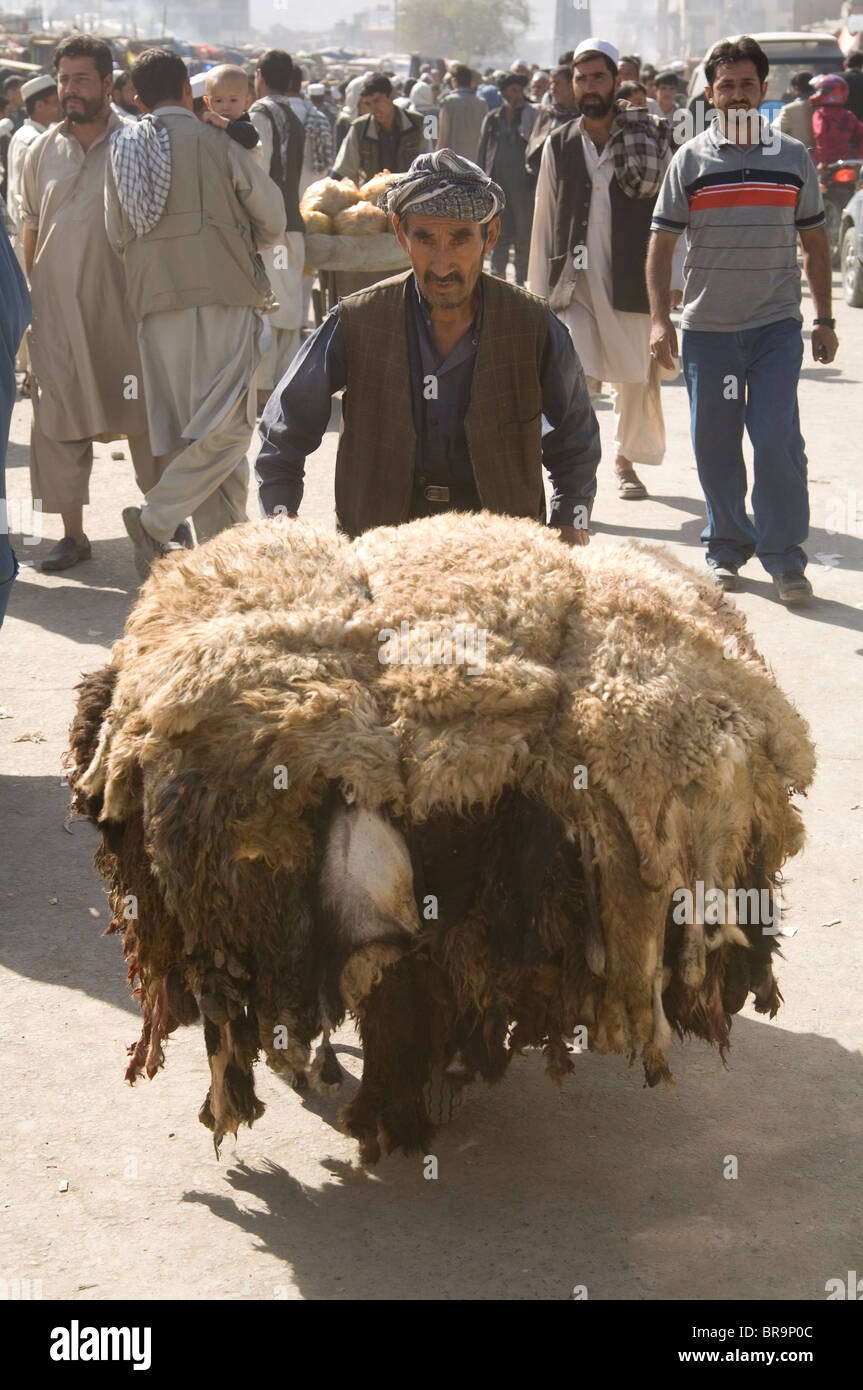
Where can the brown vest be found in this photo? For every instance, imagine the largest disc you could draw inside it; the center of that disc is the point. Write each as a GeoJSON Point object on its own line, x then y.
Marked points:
{"type": "Point", "coordinates": [503, 425]}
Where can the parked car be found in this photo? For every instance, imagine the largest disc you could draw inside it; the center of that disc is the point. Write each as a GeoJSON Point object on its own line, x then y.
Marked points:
{"type": "Point", "coordinates": [852, 249]}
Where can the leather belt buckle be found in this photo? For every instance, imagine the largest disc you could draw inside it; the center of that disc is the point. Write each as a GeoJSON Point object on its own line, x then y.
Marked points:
{"type": "Point", "coordinates": [433, 493]}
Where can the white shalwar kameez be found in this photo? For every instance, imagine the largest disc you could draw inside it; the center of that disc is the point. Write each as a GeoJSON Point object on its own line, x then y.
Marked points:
{"type": "Point", "coordinates": [613, 345]}
{"type": "Point", "coordinates": [284, 266]}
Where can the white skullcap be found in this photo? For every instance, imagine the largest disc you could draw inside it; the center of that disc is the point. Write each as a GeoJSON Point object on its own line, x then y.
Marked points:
{"type": "Point", "coordinates": [42, 83]}
{"type": "Point", "coordinates": [597, 46]}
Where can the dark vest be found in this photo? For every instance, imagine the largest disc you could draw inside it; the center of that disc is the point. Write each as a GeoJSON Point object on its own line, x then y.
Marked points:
{"type": "Point", "coordinates": [630, 224]}
{"type": "Point", "coordinates": [287, 179]}
{"type": "Point", "coordinates": [503, 425]}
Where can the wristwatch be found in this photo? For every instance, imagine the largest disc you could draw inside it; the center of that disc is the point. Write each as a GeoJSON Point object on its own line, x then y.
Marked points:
{"type": "Point", "coordinates": [825, 323]}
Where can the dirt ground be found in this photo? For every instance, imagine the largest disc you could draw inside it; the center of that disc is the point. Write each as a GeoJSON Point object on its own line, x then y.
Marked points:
{"type": "Point", "coordinates": [115, 1192]}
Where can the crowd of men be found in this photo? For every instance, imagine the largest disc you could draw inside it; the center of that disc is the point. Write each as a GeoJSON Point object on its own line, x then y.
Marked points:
{"type": "Point", "coordinates": [158, 220]}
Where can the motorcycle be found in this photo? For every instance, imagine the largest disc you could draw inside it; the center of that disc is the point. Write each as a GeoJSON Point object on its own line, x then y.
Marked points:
{"type": "Point", "coordinates": [838, 182]}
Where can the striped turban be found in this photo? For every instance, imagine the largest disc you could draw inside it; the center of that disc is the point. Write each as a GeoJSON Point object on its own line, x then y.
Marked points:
{"type": "Point", "coordinates": [444, 184]}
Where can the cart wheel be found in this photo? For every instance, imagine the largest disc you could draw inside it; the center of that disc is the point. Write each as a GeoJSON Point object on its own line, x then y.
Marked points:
{"type": "Point", "coordinates": [443, 1099]}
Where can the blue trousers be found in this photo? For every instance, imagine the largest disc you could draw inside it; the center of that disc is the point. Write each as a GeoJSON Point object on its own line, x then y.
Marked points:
{"type": "Point", "coordinates": [749, 379]}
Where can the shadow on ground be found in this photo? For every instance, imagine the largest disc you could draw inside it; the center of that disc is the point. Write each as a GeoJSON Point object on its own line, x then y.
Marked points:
{"type": "Point", "coordinates": [54, 909]}
{"type": "Point", "coordinates": [539, 1190]}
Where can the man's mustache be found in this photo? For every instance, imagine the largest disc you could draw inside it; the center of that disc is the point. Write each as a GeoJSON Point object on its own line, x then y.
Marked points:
{"type": "Point", "coordinates": [452, 279]}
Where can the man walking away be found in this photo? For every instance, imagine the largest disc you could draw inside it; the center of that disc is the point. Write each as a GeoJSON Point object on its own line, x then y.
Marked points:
{"type": "Point", "coordinates": [795, 118]}
{"type": "Point", "coordinates": [283, 151]}
{"type": "Point", "coordinates": [84, 355]}
{"type": "Point", "coordinates": [188, 207]}
{"type": "Point", "coordinates": [502, 154]}
{"type": "Point", "coordinates": [461, 116]}
{"type": "Point", "coordinates": [742, 203]}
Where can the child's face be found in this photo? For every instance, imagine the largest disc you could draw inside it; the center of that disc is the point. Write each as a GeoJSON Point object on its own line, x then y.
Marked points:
{"type": "Point", "coordinates": [228, 99]}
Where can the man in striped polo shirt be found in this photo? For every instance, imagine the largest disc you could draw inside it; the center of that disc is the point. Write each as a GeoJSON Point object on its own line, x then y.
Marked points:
{"type": "Point", "coordinates": [743, 193]}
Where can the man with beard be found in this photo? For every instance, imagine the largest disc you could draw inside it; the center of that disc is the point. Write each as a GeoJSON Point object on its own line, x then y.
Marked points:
{"type": "Point", "coordinates": [502, 152]}
{"type": "Point", "coordinates": [458, 386]}
{"type": "Point", "coordinates": [743, 193]}
{"type": "Point", "coordinates": [598, 181]}
{"type": "Point", "coordinates": [123, 96]}
{"type": "Point", "coordinates": [87, 382]}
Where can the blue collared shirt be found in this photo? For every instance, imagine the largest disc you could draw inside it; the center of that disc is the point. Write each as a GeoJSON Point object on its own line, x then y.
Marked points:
{"type": "Point", "coordinates": [298, 412]}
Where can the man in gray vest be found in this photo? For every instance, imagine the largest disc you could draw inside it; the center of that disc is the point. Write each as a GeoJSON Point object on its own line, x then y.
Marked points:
{"type": "Point", "coordinates": [189, 209]}
{"type": "Point", "coordinates": [459, 387]}
{"type": "Point", "coordinates": [461, 115]}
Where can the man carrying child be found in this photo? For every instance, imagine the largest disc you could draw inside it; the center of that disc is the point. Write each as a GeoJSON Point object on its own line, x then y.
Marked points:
{"type": "Point", "coordinates": [189, 209]}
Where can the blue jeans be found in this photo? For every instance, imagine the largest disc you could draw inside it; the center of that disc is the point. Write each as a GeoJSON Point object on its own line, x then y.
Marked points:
{"type": "Point", "coordinates": [749, 379]}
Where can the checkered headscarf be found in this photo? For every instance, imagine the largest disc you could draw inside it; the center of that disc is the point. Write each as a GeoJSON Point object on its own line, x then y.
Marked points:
{"type": "Point", "coordinates": [141, 165]}
{"type": "Point", "coordinates": [444, 184]}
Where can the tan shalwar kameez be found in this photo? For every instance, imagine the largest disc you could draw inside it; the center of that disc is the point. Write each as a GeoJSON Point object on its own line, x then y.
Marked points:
{"type": "Point", "coordinates": [87, 380]}
{"type": "Point", "coordinates": [199, 365]}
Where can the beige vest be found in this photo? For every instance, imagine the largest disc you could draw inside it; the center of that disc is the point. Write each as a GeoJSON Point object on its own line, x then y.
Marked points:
{"type": "Point", "coordinates": [201, 251]}
{"type": "Point", "coordinates": [503, 424]}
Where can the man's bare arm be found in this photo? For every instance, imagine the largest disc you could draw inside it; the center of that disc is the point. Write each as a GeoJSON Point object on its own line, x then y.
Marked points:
{"type": "Point", "coordinates": [663, 337]}
{"type": "Point", "coordinates": [819, 277]}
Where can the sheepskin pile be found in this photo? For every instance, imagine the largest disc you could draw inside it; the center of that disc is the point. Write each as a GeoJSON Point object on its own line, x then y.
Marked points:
{"type": "Point", "coordinates": [623, 739]}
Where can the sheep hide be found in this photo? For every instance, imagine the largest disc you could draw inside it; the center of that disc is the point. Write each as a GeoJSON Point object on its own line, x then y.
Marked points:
{"type": "Point", "coordinates": [304, 816]}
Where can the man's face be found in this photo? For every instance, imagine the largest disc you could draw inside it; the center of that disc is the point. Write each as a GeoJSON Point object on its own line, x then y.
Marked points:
{"type": "Point", "coordinates": [47, 110]}
{"type": "Point", "coordinates": [83, 93]}
{"type": "Point", "coordinates": [561, 91]}
{"type": "Point", "coordinates": [14, 98]}
{"type": "Point", "coordinates": [736, 87]}
{"type": "Point", "coordinates": [382, 108]}
{"type": "Point", "coordinates": [124, 96]}
{"type": "Point", "coordinates": [513, 94]}
{"type": "Point", "coordinates": [628, 71]}
{"type": "Point", "coordinates": [446, 255]}
{"type": "Point", "coordinates": [594, 87]}
{"type": "Point", "coordinates": [539, 86]}
{"type": "Point", "coordinates": [665, 97]}
{"type": "Point", "coordinates": [639, 99]}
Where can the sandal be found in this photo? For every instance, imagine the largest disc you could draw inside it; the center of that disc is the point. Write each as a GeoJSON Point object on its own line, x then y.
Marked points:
{"type": "Point", "coordinates": [630, 486]}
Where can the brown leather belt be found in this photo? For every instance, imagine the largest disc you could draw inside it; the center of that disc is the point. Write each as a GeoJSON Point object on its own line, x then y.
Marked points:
{"type": "Point", "coordinates": [434, 493]}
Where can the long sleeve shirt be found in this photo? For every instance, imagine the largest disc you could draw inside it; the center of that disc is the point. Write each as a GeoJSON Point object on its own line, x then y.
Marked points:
{"type": "Point", "coordinates": [295, 420]}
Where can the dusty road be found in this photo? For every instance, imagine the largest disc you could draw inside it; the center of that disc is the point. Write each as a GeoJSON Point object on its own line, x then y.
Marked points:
{"type": "Point", "coordinates": [602, 1184]}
